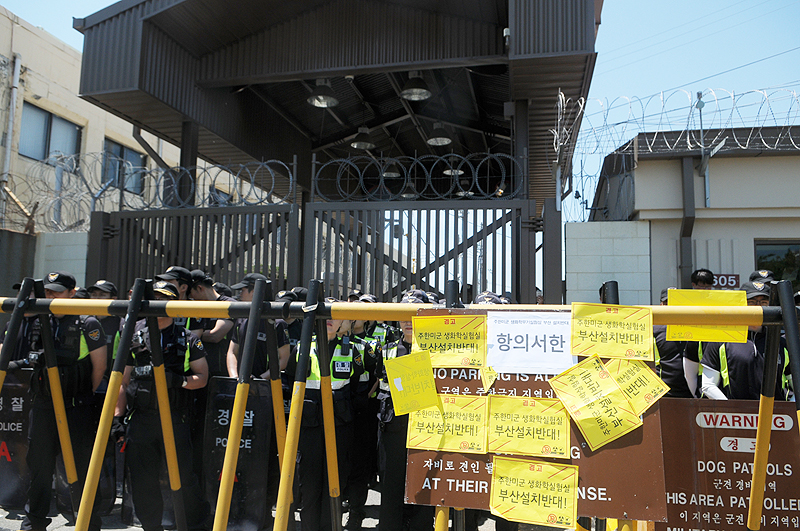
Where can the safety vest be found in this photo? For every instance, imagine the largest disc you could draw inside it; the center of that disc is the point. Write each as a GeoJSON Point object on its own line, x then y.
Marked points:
{"type": "Point", "coordinates": [723, 369]}
{"type": "Point", "coordinates": [74, 366]}
{"type": "Point", "coordinates": [341, 365]}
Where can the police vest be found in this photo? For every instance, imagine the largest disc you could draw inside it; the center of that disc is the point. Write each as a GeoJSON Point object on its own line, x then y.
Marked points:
{"type": "Point", "coordinates": [341, 365]}
{"type": "Point", "coordinates": [72, 359]}
{"type": "Point", "coordinates": [141, 391]}
{"type": "Point", "coordinates": [726, 380]}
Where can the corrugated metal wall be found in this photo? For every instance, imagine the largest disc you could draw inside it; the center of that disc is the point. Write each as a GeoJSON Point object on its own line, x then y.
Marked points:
{"type": "Point", "coordinates": [352, 34]}
{"type": "Point", "coordinates": [542, 27]}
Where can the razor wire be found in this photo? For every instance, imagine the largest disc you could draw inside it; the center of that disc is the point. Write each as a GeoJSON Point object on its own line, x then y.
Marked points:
{"type": "Point", "coordinates": [670, 122]}
{"type": "Point", "coordinates": [426, 177]}
{"type": "Point", "coordinates": [62, 191]}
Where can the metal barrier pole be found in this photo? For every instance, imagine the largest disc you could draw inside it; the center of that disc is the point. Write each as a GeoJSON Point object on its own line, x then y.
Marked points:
{"type": "Point", "coordinates": [765, 407]}
{"type": "Point", "coordinates": [451, 294]}
{"type": "Point", "coordinates": [609, 294]}
{"type": "Point", "coordinates": [239, 407]}
{"type": "Point", "coordinates": [329, 424]}
{"type": "Point", "coordinates": [442, 521]}
{"type": "Point", "coordinates": [107, 414]}
{"type": "Point", "coordinates": [10, 341]}
{"type": "Point", "coordinates": [168, 434]}
{"type": "Point", "coordinates": [57, 396]}
{"type": "Point", "coordinates": [459, 519]}
{"type": "Point", "coordinates": [791, 333]}
{"type": "Point", "coordinates": [296, 411]}
{"type": "Point", "coordinates": [275, 383]}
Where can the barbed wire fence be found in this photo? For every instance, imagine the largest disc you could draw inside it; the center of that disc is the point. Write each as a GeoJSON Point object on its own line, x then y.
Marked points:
{"type": "Point", "coordinates": [60, 193]}
{"type": "Point", "coordinates": [756, 119]}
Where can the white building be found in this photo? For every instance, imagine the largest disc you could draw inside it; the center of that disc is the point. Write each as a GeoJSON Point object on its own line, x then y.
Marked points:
{"type": "Point", "coordinates": [643, 215]}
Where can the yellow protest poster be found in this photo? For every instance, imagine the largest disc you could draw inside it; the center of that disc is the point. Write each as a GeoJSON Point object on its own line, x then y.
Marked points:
{"type": "Point", "coordinates": [595, 402]}
{"type": "Point", "coordinates": [459, 426]}
{"type": "Point", "coordinates": [612, 331]}
{"type": "Point", "coordinates": [707, 297]}
{"type": "Point", "coordinates": [528, 426]}
{"type": "Point", "coordinates": [534, 492]}
{"type": "Point", "coordinates": [451, 340]}
{"type": "Point", "coordinates": [411, 382]}
{"type": "Point", "coordinates": [488, 377]}
{"type": "Point", "coordinates": [638, 382]}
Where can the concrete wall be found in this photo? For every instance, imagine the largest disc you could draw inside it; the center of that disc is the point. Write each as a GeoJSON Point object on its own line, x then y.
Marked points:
{"type": "Point", "coordinates": [64, 251]}
{"type": "Point", "coordinates": [601, 251]}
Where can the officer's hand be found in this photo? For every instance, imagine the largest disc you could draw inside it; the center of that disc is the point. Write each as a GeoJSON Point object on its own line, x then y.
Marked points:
{"type": "Point", "coordinates": [174, 380]}
{"type": "Point", "coordinates": [117, 429]}
{"type": "Point", "coordinates": [14, 366]}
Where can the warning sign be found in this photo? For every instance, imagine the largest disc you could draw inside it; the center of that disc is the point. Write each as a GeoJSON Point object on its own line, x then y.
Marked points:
{"type": "Point", "coordinates": [710, 445]}
{"type": "Point", "coordinates": [534, 492]}
{"type": "Point", "coordinates": [452, 340]}
{"type": "Point", "coordinates": [459, 424]}
{"type": "Point", "coordinates": [612, 331]}
{"type": "Point", "coordinates": [455, 479]}
{"type": "Point", "coordinates": [527, 426]}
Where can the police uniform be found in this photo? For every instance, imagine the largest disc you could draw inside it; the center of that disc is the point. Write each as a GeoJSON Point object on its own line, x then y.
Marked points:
{"type": "Point", "coordinates": [741, 366]}
{"type": "Point", "coordinates": [669, 363]}
{"type": "Point", "coordinates": [346, 362]}
{"type": "Point", "coordinates": [74, 337]}
{"type": "Point", "coordinates": [392, 458]}
{"type": "Point", "coordinates": [145, 447]}
{"type": "Point", "coordinates": [364, 463]}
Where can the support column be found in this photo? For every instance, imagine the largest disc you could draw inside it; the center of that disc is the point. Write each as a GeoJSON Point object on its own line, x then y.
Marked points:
{"type": "Point", "coordinates": [521, 144]}
{"type": "Point", "coordinates": [551, 245]}
{"type": "Point", "coordinates": [189, 150]}
{"type": "Point", "coordinates": [685, 265]}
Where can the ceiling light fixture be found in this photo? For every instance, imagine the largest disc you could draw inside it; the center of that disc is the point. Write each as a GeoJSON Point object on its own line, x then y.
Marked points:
{"type": "Point", "coordinates": [323, 95]}
{"type": "Point", "coordinates": [415, 88]}
{"type": "Point", "coordinates": [391, 171]}
{"type": "Point", "coordinates": [452, 169]}
{"type": "Point", "coordinates": [362, 140]}
{"type": "Point", "coordinates": [439, 136]}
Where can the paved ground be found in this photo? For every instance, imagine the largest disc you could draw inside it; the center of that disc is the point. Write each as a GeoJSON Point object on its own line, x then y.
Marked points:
{"type": "Point", "coordinates": [11, 520]}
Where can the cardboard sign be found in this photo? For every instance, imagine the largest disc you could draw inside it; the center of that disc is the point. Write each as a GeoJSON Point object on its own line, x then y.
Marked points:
{"type": "Point", "coordinates": [710, 446]}
{"type": "Point", "coordinates": [411, 383]}
{"type": "Point", "coordinates": [527, 426]}
{"type": "Point", "coordinates": [459, 424]}
{"type": "Point", "coordinates": [595, 402]}
{"type": "Point", "coordinates": [706, 297]}
{"type": "Point", "coordinates": [612, 331]}
{"type": "Point", "coordinates": [451, 340]}
{"type": "Point", "coordinates": [534, 492]}
{"type": "Point", "coordinates": [528, 342]}
{"type": "Point", "coordinates": [641, 386]}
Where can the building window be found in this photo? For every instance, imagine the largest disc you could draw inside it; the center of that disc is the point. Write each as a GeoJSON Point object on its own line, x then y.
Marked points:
{"type": "Point", "coordinates": [124, 167]}
{"type": "Point", "coordinates": [44, 134]}
{"type": "Point", "coordinates": [782, 258]}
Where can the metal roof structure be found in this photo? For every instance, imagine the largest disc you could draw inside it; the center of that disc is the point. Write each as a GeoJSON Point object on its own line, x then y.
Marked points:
{"type": "Point", "coordinates": [240, 74]}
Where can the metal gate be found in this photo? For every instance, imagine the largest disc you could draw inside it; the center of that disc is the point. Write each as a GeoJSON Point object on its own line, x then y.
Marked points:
{"type": "Point", "coordinates": [386, 248]}
{"type": "Point", "coordinates": [225, 242]}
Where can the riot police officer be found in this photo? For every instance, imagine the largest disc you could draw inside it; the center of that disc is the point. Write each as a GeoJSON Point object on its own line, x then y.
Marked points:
{"type": "Point", "coordinates": [81, 355]}
{"type": "Point", "coordinates": [346, 362]}
{"type": "Point", "coordinates": [186, 370]}
{"type": "Point", "coordinates": [392, 442]}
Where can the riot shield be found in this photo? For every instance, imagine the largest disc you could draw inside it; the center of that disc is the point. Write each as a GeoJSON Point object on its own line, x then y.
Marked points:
{"type": "Point", "coordinates": [250, 508]}
{"type": "Point", "coordinates": [14, 408]}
